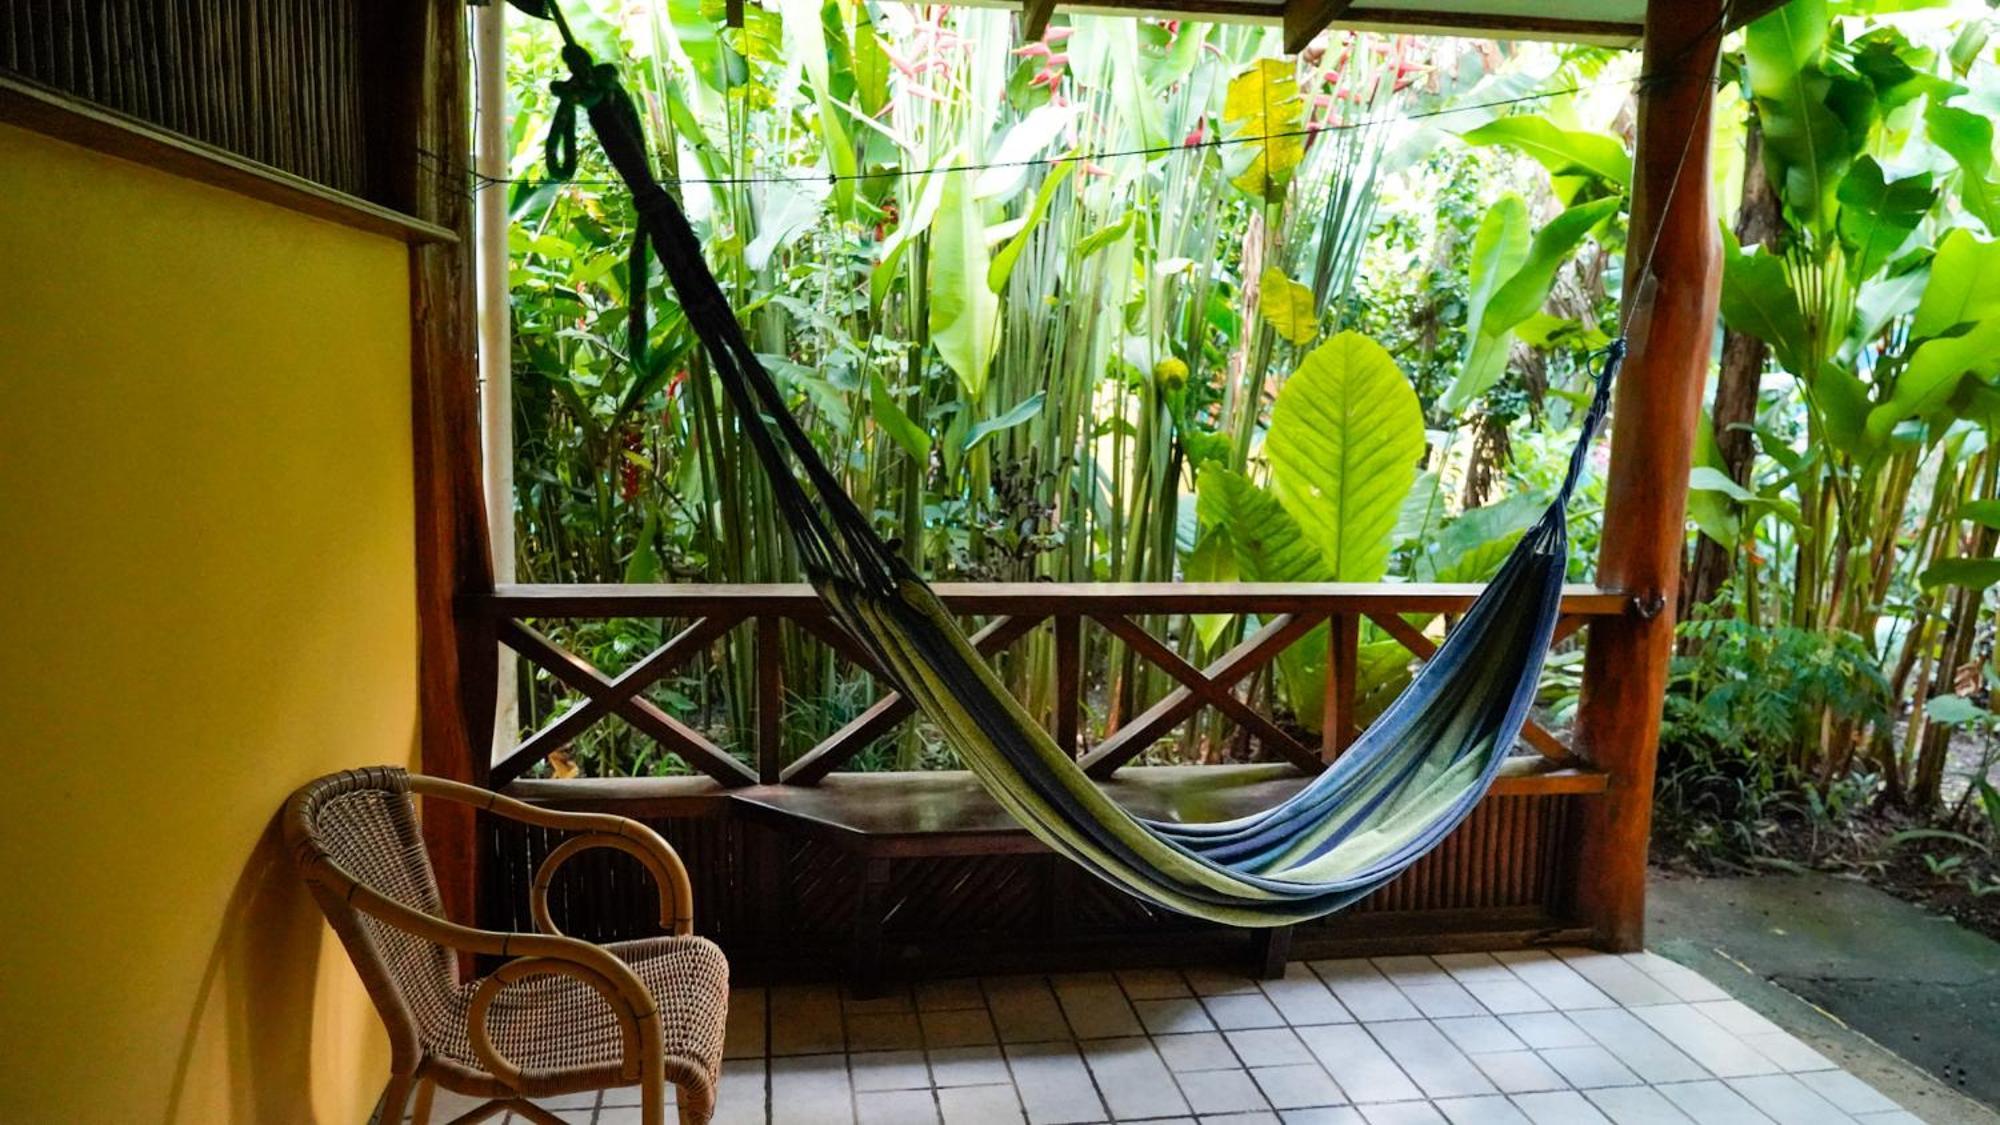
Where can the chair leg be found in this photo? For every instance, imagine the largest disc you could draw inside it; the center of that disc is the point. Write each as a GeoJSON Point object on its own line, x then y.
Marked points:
{"type": "Point", "coordinates": [394, 1097]}
{"type": "Point", "coordinates": [420, 1114]}
{"type": "Point", "coordinates": [652, 1102]}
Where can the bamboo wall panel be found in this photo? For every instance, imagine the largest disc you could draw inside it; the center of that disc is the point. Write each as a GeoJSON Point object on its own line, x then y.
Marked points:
{"type": "Point", "coordinates": [281, 82]}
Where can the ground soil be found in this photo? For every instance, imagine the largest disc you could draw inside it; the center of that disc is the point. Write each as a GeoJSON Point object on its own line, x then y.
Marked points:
{"type": "Point", "coordinates": [1935, 872]}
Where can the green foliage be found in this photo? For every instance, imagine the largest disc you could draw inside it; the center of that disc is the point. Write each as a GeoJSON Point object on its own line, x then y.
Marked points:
{"type": "Point", "coordinates": [1740, 712]}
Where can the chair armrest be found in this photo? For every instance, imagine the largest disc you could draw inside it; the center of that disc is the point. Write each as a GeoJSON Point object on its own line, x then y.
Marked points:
{"type": "Point", "coordinates": [597, 830]}
{"type": "Point", "coordinates": [642, 1053]}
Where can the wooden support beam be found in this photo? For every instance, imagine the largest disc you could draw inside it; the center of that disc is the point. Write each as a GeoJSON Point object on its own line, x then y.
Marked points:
{"type": "Point", "coordinates": [419, 114]}
{"type": "Point", "coordinates": [1337, 728]}
{"type": "Point", "coordinates": [1035, 16]}
{"type": "Point", "coordinates": [1670, 305]}
{"type": "Point", "coordinates": [1307, 18]}
{"type": "Point", "coordinates": [1067, 698]}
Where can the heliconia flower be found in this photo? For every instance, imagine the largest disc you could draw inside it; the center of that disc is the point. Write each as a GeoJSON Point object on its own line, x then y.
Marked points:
{"type": "Point", "coordinates": [1032, 50]}
{"type": "Point", "coordinates": [1092, 168]}
{"type": "Point", "coordinates": [1196, 135]}
{"type": "Point", "coordinates": [1323, 101]}
{"type": "Point", "coordinates": [1058, 34]}
{"type": "Point", "coordinates": [1058, 60]}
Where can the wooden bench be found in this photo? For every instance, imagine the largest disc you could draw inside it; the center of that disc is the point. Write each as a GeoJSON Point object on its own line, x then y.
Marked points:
{"type": "Point", "coordinates": [883, 818]}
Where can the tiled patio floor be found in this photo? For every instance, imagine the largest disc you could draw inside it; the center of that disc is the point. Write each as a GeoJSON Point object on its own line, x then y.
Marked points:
{"type": "Point", "coordinates": [1572, 1037]}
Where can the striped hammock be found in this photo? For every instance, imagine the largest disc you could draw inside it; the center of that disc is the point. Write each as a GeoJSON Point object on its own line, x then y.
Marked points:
{"type": "Point", "coordinates": [1397, 792]}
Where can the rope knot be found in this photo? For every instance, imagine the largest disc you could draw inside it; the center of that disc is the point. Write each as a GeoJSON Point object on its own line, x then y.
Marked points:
{"type": "Point", "coordinates": [590, 84]}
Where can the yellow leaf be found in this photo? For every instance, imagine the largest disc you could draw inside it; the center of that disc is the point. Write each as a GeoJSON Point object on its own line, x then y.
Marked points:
{"type": "Point", "coordinates": [1264, 115]}
{"type": "Point", "coordinates": [1288, 306]}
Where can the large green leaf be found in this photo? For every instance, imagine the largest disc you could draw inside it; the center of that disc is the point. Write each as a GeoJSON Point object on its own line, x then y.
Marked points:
{"type": "Point", "coordinates": [1814, 123]}
{"type": "Point", "coordinates": [1964, 285]}
{"type": "Point", "coordinates": [895, 422]}
{"type": "Point", "coordinates": [1498, 248]}
{"type": "Point", "coordinates": [1758, 300]}
{"type": "Point", "coordinates": [1020, 412]}
{"type": "Point", "coordinates": [1564, 152]}
{"type": "Point", "coordinates": [1346, 435]}
{"type": "Point", "coordinates": [1263, 113]}
{"type": "Point", "coordinates": [1957, 322]}
{"type": "Point", "coordinates": [1968, 137]}
{"type": "Point", "coordinates": [1269, 546]}
{"type": "Point", "coordinates": [965, 312]}
{"type": "Point", "coordinates": [1878, 215]}
{"type": "Point", "coordinates": [715, 62]}
{"type": "Point", "coordinates": [1003, 262]}
{"type": "Point", "coordinates": [1267, 543]}
{"type": "Point", "coordinates": [1472, 547]}
{"type": "Point", "coordinates": [1983, 512]}
{"type": "Point", "coordinates": [1519, 297]}
{"type": "Point", "coordinates": [1973, 574]}
{"type": "Point", "coordinates": [806, 37]}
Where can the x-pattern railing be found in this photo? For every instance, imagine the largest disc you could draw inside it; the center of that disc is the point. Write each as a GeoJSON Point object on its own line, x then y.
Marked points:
{"type": "Point", "coordinates": [1285, 614]}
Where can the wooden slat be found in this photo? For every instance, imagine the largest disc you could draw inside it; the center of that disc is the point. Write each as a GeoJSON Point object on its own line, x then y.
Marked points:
{"type": "Point", "coordinates": [798, 601]}
{"type": "Point", "coordinates": [671, 733]}
{"type": "Point", "coordinates": [1423, 648]}
{"type": "Point", "coordinates": [882, 716]}
{"type": "Point", "coordinates": [558, 733]}
{"type": "Point", "coordinates": [1216, 694]}
{"type": "Point", "coordinates": [1253, 653]}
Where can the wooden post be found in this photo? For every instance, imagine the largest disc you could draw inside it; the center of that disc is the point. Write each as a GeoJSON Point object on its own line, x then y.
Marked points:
{"type": "Point", "coordinates": [1343, 659]}
{"type": "Point", "coordinates": [1069, 678]}
{"type": "Point", "coordinates": [770, 699]}
{"type": "Point", "coordinates": [420, 116]}
{"type": "Point", "coordinates": [1671, 327]}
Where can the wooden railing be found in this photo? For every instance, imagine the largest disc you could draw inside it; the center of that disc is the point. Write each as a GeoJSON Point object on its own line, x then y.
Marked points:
{"type": "Point", "coordinates": [1283, 615]}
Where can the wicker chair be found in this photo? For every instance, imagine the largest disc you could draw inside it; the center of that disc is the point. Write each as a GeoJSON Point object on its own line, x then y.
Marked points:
{"type": "Point", "coordinates": [564, 1016]}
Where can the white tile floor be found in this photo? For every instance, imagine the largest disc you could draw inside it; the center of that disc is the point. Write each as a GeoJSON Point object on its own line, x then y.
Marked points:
{"type": "Point", "coordinates": [1466, 1039]}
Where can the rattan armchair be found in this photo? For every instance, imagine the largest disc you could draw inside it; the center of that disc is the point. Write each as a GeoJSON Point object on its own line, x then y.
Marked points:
{"type": "Point", "coordinates": [563, 1016]}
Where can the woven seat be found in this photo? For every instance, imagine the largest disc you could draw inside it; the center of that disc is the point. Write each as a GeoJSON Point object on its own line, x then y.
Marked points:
{"type": "Point", "coordinates": [563, 1015]}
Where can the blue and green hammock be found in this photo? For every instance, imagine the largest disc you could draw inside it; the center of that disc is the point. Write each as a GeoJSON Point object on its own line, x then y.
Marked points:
{"type": "Point", "coordinates": [1396, 793]}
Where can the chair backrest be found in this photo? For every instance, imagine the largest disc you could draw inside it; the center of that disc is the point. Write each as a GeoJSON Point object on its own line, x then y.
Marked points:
{"type": "Point", "coordinates": [363, 824]}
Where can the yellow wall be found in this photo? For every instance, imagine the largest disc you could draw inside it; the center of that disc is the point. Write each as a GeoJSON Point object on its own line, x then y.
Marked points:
{"type": "Point", "coordinates": [206, 598]}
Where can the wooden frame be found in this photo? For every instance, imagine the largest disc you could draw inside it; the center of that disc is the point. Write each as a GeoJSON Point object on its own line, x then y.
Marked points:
{"type": "Point", "coordinates": [1014, 610]}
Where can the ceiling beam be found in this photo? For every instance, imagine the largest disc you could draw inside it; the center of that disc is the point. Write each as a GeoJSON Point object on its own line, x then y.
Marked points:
{"type": "Point", "coordinates": [1746, 11]}
{"type": "Point", "coordinates": [1035, 16]}
{"type": "Point", "coordinates": [1307, 18]}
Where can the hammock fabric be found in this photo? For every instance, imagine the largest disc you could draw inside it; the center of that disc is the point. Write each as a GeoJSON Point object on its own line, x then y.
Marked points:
{"type": "Point", "coordinates": [1401, 787]}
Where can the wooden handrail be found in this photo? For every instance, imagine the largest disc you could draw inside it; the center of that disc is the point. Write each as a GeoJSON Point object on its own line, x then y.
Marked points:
{"type": "Point", "coordinates": [797, 600]}
{"type": "Point", "coordinates": [1012, 610]}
